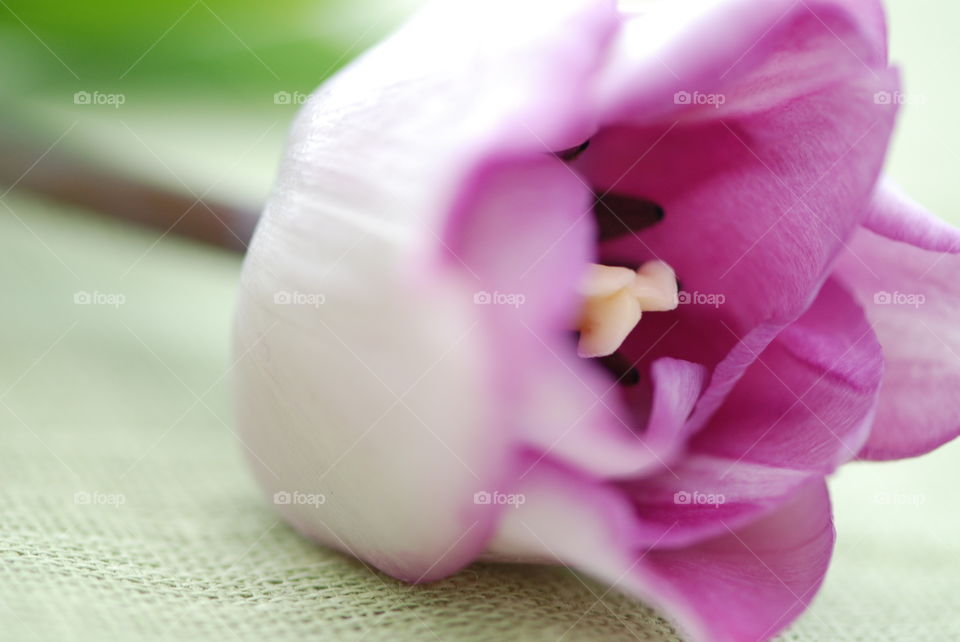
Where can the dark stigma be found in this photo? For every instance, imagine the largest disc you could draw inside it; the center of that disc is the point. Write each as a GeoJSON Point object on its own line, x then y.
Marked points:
{"type": "Point", "coordinates": [572, 153]}
{"type": "Point", "coordinates": [618, 215]}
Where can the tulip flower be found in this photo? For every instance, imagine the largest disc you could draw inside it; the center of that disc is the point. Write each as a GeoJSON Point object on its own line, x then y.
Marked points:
{"type": "Point", "coordinates": [561, 281]}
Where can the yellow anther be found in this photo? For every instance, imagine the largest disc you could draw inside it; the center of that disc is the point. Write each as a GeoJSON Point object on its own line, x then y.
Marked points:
{"type": "Point", "coordinates": [615, 299]}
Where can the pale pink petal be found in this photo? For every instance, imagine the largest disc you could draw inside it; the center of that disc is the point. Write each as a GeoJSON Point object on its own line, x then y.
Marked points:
{"type": "Point", "coordinates": [610, 437]}
{"type": "Point", "coordinates": [893, 214]}
{"type": "Point", "coordinates": [766, 53]}
{"type": "Point", "coordinates": [366, 372]}
{"type": "Point", "coordinates": [911, 296]}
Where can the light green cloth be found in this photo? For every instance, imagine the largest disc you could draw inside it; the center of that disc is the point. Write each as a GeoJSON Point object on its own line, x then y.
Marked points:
{"type": "Point", "coordinates": [126, 511]}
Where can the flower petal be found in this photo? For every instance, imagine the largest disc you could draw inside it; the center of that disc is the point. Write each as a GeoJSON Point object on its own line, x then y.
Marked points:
{"type": "Point", "coordinates": [767, 53]}
{"type": "Point", "coordinates": [700, 496]}
{"type": "Point", "coordinates": [742, 174]}
{"type": "Point", "coordinates": [802, 408]}
{"type": "Point", "coordinates": [751, 582]}
{"type": "Point", "coordinates": [366, 373]}
{"type": "Point", "coordinates": [807, 402]}
{"type": "Point", "coordinates": [756, 210]}
{"type": "Point", "coordinates": [898, 217]}
{"type": "Point", "coordinates": [744, 585]}
{"type": "Point", "coordinates": [600, 440]}
{"type": "Point", "coordinates": [911, 296]}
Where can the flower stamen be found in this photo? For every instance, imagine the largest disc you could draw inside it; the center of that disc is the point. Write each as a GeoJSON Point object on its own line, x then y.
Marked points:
{"type": "Point", "coordinates": [614, 300]}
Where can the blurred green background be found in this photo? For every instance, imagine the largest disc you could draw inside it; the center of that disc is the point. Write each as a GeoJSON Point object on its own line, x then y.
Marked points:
{"type": "Point", "coordinates": [131, 401]}
{"type": "Point", "coordinates": [198, 80]}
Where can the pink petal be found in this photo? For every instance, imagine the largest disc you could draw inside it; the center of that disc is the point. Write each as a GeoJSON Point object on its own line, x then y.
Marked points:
{"type": "Point", "coordinates": [751, 582]}
{"type": "Point", "coordinates": [701, 495]}
{"type": "Point", "coordinates": [767, 53]}
{"type": "Point", "coordinates": [893, 214]}
{"type": "Point", "coordinates": [807, 402]}
{"type": "Point", "coordinates": [802, 408]}
{"type": "Point", "coordinates": [911, 296]}
{"type": "Point", "coordinates": [743, 585]}
{"type": "Point", "coordinates": [757, 209]}
{"type": "Point", "coordinates": [602, 439]}
{"type": "Point", "coordinates": [751, 215]}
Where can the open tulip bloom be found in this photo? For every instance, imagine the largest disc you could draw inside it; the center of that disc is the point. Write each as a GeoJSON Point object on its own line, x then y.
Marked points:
{"type": "Point", "coordinates": [559, 281]}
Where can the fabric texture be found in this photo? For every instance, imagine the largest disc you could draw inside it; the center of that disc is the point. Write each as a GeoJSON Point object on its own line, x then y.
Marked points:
{"type": "Point", "coordinates": [127, 511]}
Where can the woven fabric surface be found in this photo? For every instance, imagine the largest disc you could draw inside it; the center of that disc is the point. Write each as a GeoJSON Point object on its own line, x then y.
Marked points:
{"type": "Point", "coordinates": [126, 511]}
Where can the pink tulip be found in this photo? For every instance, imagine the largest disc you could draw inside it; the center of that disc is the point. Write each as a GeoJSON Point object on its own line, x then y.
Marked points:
{"type": "Point", "coordinates": [459, 335]}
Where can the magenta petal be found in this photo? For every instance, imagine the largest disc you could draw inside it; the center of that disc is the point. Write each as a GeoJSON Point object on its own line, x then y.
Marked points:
{"type": "Point", "coordinates": [741, 586]}
{"type": "Point", "coordinates": [807, 401]}
{"type": "Point", "coordinates": [760, 190]}
{"type": "Point", "coordinates": [751, 582]}
{"type": "Point", "coordinates": [802, 408]}
{"type": "Point", "coordinates": [701, 496]}
{"type": "Point", "coordinates": [911, 296]}
{"type": "Point", "coordinates": [676, 385]}
{"type": "Point", "coordinates": [757, 209]}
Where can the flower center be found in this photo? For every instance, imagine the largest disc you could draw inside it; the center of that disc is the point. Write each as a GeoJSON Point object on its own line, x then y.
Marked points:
{"type": "Point", "coordinates": [614, 300]}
